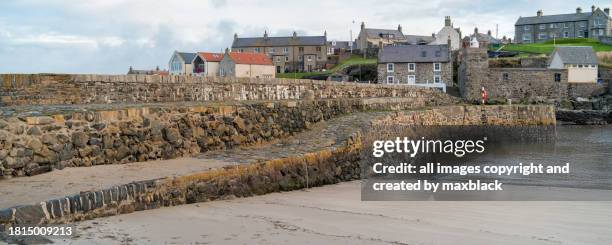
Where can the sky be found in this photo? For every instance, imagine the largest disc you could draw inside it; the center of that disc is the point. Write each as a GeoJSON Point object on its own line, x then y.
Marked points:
{"type": "Point", "coordinates": [109, 36]}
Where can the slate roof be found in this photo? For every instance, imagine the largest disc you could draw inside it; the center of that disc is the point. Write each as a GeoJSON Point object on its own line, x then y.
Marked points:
{"type": "Point", "coordinates": [370, 32]}
{"type": "Point", "coordinates": [553, 18]}
{"type": "Point", "coordinates": [416, 39]}
{"type": "Point", "coordinates": [187, 57]}
{"type": "Point", "coordinates": [250, 58]}
{"type": "Point", "coordinates": [486, 37]}
{"type": "Point", "coordinates": [341, 44]}
{"type": "Point", "coordinates": [576, 54]}
{"type": "Point", "coordinates": [242, 42]}
{"type": "Point", "coordinates": [413, 53]}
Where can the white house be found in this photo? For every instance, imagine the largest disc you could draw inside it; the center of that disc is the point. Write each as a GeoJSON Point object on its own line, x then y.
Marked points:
{"type": "Point", "coordinates": [448, 32]}
{"type": "Point", "coordinates": [207, 64]}
{"type": "Point", "coordinates": [580, 62]}
{"type": "Point", "coordinates": [181, 63]}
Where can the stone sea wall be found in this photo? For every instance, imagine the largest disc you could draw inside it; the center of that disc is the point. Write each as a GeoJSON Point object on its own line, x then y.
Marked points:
{"type": "Point", "coordinates": [31, 145]}
{"type": "Point", "coordinates": [41, 89]}
{"type": "Point", "coordinates": [314, 169]}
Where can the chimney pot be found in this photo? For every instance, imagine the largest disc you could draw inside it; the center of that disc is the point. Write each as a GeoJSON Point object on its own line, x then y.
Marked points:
{"type": "Point", "coordinates": [607, 11]}
{"type": "Point", "coordinates": [593, 8]}
{"type": "Point", "coordinates": [540, 13]}
{"type": "Point", "coordinates": [578, 10]}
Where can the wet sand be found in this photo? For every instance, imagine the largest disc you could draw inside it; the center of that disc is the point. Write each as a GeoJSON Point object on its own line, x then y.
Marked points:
{"type": "Point", "coordinates": [335, 214]}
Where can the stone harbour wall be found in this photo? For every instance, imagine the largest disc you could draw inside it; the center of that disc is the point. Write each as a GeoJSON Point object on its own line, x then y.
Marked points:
{"type": "Point", "coordinates": [31, 145]}
{"type": "Point", "coordinates": [285, 174]}
{"type": "Point", "coordinates": [54, 89]}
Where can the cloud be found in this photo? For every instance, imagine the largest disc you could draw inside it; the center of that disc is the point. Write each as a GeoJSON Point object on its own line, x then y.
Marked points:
{"type": "Point", "coordinates": [116, 34]}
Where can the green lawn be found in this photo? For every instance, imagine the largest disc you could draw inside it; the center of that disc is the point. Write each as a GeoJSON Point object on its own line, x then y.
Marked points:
{"type": "Point", "coordinates": [354, 60]}
{"type": "Point", "coordinates": [547, 47]}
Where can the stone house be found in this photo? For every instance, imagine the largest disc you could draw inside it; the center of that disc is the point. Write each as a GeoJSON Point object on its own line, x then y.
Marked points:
{"type": "Point", "coordinates": [483, 39]}
{"type": "Point", "coordinates": [373, 38]}
{"type": "Point", "coordinates": [541, 28]}
{"type": "Point", "coordinates": [289, 54]}
{"type": "Point", "coordinates": [246, 65]}
{"type": "Point", "coordinates": [448, 32]}
{"type": "Point", "coordinates": [337, 47]}
{"type": "Point", "coordinates": [207, 64]}
{"type": "Point", "coordinates": [415, 65]}
{"type": "Point", "coordinates": [181, 63]}
{"type": "Point", "coordinates": [155, 71]}
{"type": "Point", "coordinates": [580, 62]}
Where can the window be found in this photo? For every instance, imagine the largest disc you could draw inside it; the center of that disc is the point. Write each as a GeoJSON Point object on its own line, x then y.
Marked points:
{"type": "Point", "coordinates": [527, 37]}
{"type": "Point", "coordinates": [389, 79]}
{"type": "Point", "coordinates": [526, 28]}
{"type": "Point", "coordinates": [309, 57]}
{"type": "Point", "coordinates": [580, 66]}
{"type": "Point", "coordinates": [565, 25]}
{"type": "Point", "coordinates": [423, 53]}
{"type": "Point", "coordinates": [542, 36]}
{"type": "Point", "coordinates": [582, 24]}
{"type": "Point", "coordinates": [301, 49]}
{"type": "Point", "coordinates": [542, 27]}
{"type": "Point", "coordinates": [437, 79]}
{"type": "Point", "coordinates": [557, 77]}
{"type": "Point", "coordinates": [319, 57]}
{"type": "Point", "coordinates": [390, 67]}
{"type": "Point", "coordinates": [601, 32]}
{"type": "Point", "coordinates": [286, 58]}
{"type": "Point", "coordinates": [566, 34]}
{"type": "Point", "coordinates": [300, 58]}
{"type": "Point", "coordinates": [272, 50]}
{"type": "Point", "coordinates": [278, 59]}
{"type": "Point", "coordinates": [241, 50]}
{"type": "Point", "coordinates": [257, 50]}
{"type": "Point", "coordinates": [318, 49]}
{"type": "Point", "coordinates": [436, 66]}
{"type": "Point", "coordinates": [505, 76]}
{"type": "Point", "coordinates": [285, 50]}
{"type": "Point", "coordinates": [411, 67]}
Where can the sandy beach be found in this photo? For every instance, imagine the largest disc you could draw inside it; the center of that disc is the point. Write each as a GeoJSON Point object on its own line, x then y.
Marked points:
{"type": "Point", "coordinates": [335, 215]}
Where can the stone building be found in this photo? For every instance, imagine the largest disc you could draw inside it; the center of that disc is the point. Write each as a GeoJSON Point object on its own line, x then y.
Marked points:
{"type": "Point", "coordinates": [448, 32]}
{"type": "Point", "coordinates": [289, 54]}
{"type": "Point", "coordinates": [483, 39]}
{"type": "Point", "coordinates": [246, 65]}
{"type": "Point", "coordinates": [415, 65]}
{"type": "Point", "coordinates": [474, 73]}
{"type": "Point", "coordinates": [155, 71]}
{"type": "Point", "coordinates": [373, 37]}
{"type": "Point", "coordinates": [540, 28]}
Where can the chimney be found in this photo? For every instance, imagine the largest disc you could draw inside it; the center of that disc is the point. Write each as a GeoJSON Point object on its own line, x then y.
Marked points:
{"type": "Point", "coordinates": [447, 21]}
{"type": "Point", "coordinates": [235, 35]}
{"type": "Point", "coordinates": [399, 28]}
{"type": "Point", "coordinates": [131, 69]}
{"type": "Point", "coordinates": [433, 35]}
{"type": "Point", "coordinates": [607, 10]}
{"type": "Point", "coordinates": [578, 10]}
{"type": "Point", "coordinates": [489, 32]}
{"type": "Point", "coordinates": [227, 51]}
{"type": "Point", "coordinates": [362, 25]}
{"type": "Point", "coordinates": [540, 13]}
{"type": "Point", "coordinates": [157, 68]}
{"type": "Point", "coordinates": [592, 8]}
{"type": "Point", "coordinates": [266, 34]}
{"type": "Point", "coordinates": [475, 30]}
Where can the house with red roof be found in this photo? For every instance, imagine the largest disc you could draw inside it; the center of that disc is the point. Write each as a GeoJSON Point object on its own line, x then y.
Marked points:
{"type": "Point", "coordinates": [207, 64]}
{"type": "Point", "coordinates": [250, 65]}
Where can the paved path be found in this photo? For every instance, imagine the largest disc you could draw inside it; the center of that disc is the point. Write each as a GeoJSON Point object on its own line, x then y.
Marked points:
{"type": "Point", "coordinates": [334, 214]}
{"type": "Point", "coordinates": [55, 184]}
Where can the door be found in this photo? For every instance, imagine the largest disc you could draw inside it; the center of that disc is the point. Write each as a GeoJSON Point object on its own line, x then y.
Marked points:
{"type": "Point", "coordinates": [411, 79]}
{"type": "Point", "coordinates": [278, 69]}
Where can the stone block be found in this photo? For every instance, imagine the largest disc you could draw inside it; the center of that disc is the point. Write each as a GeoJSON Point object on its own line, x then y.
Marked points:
{"type": "Point", "coordinates": [30, 214]}
{"type": "Point", "coordinates": [7, 215]}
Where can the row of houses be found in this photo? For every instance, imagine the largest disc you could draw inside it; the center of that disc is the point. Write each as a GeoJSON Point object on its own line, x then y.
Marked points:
{"type": "Point", "coordinates": [228, 64]}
